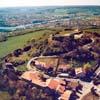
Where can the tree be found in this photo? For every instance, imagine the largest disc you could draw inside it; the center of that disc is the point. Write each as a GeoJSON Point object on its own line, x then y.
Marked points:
{"type": "Point", "coordinates": [86, 67]}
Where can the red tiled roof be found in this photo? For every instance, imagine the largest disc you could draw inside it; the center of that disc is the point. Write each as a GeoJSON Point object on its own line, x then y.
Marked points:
{"type": "Point", "coordinates": [56, 84]}
{"type": "Point", "coordinates": [34, 77]}
{"type": "Point", "coordinates": [51, 83]}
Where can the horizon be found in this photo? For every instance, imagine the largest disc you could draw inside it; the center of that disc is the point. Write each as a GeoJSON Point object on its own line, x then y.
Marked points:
{"type": "Point", "coordinates": [41, 3]}
{"type": "Point", "coordinates": [52, 6]}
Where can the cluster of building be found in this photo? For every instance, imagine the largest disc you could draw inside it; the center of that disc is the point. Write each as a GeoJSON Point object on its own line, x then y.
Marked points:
{"type": "Point", "coordinates": [69, 88]}
{"type": "Point", "coordinates": [63, 87]}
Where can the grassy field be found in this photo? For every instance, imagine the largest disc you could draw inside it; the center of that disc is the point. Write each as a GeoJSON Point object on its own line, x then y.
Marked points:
{"type": "Point", "coordinates": [93, 30]}
{"type": "Point", "coordinates": [19, 41]}
{"type": "Point", "coordinates": [22, 68]}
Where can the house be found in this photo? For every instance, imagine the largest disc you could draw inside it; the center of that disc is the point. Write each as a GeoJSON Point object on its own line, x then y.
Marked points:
{"type": "Point", "coordinates": [78, 70]}
{"type": "Point", "coordinates": [56, 84]}
{"type": "Point", "coordinates": [73, 84]}
{"type": "Point", "coordinates": [33, 76]}
{"type": "Point", "coordinates": [63, 67]}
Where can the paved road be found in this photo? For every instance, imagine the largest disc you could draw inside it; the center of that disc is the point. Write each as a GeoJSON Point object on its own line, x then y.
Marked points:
{"type": "Point", "coordinates": [86, 89]}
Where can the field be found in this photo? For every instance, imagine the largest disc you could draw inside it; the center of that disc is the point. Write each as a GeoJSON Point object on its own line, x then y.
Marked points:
{"type": "Point", "coordinates": [49, 61]}
{"type": "Point", "coordinates": [19, 41]}
{"type": "Point", "coordinates": [93, 30]}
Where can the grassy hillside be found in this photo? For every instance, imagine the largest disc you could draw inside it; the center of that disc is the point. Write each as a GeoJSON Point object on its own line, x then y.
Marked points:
{"type": "Point", "coordinates": [19, 41]}
{"type": "Point", "coordinates": [93, 30]}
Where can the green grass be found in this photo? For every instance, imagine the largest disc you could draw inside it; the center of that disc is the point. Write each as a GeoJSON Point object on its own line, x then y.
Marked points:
{"type": "Point", "coordinates": [19, 41]}
{"type": "Point", "coordinates": [22, 68]}
{"type": "Point", "coordinates": [93, 30]}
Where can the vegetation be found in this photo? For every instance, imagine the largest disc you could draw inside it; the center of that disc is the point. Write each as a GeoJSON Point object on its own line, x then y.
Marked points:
{"type": "Point", "coordinates": [22, 68]}
{"type": "Point", "coordinates": [93, 30]}
{"type": "Point", "coordinates": [19, 41]}
{"type": "Point", "coordinates": [67, 48]}
{"type": "Point", "coordinates": [74, 49]}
